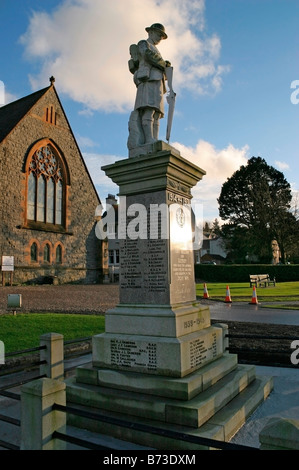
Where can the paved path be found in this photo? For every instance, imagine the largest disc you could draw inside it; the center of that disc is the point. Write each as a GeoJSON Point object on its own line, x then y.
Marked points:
{"type": "Point", "coordinates": [241, 311]}
{"type": "Point", "coordinates": [98, 298]}
{"type": "Point", "coordinates": [67, 298]}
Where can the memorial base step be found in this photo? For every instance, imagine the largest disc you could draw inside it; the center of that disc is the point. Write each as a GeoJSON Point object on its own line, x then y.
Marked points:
{"type": "Point", "coordinates": [193, 413]}
{"type": "Point", "coordinates": [183, 388]}
{"type": "Point", "coordinates": [221, 426]}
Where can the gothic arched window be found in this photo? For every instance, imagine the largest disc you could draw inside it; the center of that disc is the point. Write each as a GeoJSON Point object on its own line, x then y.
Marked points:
{"type": "Point", "coordinates": [58, 254]}
{"type": "Point", "coordinates": [33, 253]}
{"type": "Point", "coordinates": [47, 253]}
{"type": "Point", "coordinates": [46, 187]}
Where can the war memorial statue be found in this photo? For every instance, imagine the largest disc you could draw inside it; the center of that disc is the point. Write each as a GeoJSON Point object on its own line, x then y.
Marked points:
{"type": "Point", "coordinates": [150, 73]}
{"type": "Point", "coordinates": [161, 361]}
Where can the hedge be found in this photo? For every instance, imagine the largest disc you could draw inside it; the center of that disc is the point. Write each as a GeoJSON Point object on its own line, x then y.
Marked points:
{"type": "Point", "coordinates": [241, 272]}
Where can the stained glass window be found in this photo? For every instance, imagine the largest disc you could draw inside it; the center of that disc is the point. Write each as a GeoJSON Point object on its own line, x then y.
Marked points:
{"type": "Point", "coordinates": [50, 201]}
{"type": "Point", "coordinates": [31, 196]}
{"type": "Point", "coordinates": [58, 205]}
{"type": "Point", "coordinates": [41, 190]}
{"type": "Point", "coordinates": [45, 187]}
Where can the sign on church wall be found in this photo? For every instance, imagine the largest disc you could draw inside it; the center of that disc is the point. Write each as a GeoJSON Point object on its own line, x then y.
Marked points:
{"type": "Point", "coordinates": [8, 263]}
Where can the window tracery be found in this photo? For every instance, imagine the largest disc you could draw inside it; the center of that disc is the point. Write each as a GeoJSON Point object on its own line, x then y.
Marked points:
{"type": "Point", "coordinates": [45, 187]}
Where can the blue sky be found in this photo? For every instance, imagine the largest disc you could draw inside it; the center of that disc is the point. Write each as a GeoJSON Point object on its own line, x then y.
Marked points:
{"type": "Point", "coordinates": [234, 63]}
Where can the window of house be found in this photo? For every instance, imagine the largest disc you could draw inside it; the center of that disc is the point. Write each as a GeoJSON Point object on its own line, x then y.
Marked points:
{"type": "Point", "coordinates": [46, 184]}
{"type": "Point", "coordinates": [58, 254]}
{"type": "Point", "coordinates": [111, 256]}
{"type": "Point", "coordinates": [33, 253]}
{"type": "Point", "coordinates": [47, 253]}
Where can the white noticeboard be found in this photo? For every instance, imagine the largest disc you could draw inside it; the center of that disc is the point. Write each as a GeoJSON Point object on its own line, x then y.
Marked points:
{"type": "Point", "coordinates": [8, 263]}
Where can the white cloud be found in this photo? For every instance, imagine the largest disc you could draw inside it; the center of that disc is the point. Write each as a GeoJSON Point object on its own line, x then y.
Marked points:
{"type": "Point", "coordinates": [282, 165]}
{"type": "Point", "coordinates": [103, 184]}
{"type": "Point", "coordinates": [219, 164]}
{"type": "Point", "coordinates": [5, 96]}
{"type": "Point", "coordinates": [85, 45]}
{"type": "Point", "coordinates": [86, 142]}
{"type": "Point", "coordinates": [87, 112]}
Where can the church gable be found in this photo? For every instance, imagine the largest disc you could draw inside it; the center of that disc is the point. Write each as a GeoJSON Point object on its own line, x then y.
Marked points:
{"type": "Point", "coordinates": [49, 111]}
{"type": "Point", "coordinates": [47, 196]}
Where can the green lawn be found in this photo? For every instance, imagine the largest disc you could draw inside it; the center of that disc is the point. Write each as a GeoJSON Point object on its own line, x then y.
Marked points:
{"type": "Point", "coordinates": [242, 292]}
{"type": "Point", "coordinates": [24, 330]}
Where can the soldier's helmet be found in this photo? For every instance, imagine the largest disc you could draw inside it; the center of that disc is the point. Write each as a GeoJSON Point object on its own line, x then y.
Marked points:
{"type": "Point", "coordinates": [157, 27]}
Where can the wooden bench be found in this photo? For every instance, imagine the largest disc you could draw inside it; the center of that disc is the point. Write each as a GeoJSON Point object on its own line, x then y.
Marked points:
{"type": "Point", "coordinates": [261, 279]}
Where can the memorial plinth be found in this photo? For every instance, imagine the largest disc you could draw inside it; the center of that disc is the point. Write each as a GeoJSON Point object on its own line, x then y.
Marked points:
{"type": "Point", "coordinates": [160, 359]}
{"type": "Point", "coordinates": [158, 326]}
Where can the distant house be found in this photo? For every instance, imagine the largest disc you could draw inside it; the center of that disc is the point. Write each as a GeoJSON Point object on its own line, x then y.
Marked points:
{"type": "Point", "coordinates": [47, 197]}
{"type": "Point", "coordinates": [212, 251]}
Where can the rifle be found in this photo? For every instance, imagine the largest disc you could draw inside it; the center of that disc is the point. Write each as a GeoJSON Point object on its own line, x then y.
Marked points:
{"type": "Point", "coordinates": [170, 100]}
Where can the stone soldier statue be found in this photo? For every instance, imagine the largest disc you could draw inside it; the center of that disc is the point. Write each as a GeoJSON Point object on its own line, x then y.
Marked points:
{"type": "Point", "coordinates": [148, 67]}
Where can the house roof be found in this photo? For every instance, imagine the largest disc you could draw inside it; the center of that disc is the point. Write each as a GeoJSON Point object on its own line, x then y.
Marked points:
{"type": "Point", "coordinates": [209, 256]}
{"type": "Point", "coordinates": [12, 113]}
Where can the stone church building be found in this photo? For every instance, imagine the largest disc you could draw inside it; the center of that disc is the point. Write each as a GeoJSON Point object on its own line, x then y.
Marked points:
{"type": "Point", "coordinates": [47, 197]}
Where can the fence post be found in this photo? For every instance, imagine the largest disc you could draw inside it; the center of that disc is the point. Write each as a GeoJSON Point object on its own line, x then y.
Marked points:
{"type": "Point", "coordinates": [53, 355]}
{"type": "Point", "coordinates": [38, 420]}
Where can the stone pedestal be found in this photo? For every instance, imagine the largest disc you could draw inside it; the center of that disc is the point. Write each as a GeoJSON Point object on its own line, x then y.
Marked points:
{"type": "Point", "coordinates": [158, 326]}
{"type": "Point", "coordinates": [38, 419]}
{"type": "Point", "coordinates": [160, 358]}
{"type": "Point", "coordinates": [52, 355]}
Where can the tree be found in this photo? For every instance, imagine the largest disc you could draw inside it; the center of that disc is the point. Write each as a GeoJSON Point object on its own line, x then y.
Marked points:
{"type": "Point", "coordinates": [206, 228]}
{"type": "Point", "coordinates": [212, 229]}
{"type": "Point", "coordinates": [286, 231]}
{"type": "Point", "coordinates": [256, 202]}
{"type": "Point", "coordinates": [295, 205]}
{"type": "Point", "coordinates": [216, 228]}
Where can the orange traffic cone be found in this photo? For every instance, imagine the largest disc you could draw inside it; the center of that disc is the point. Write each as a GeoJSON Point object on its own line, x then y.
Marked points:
{"type": "Point", "coordinates": [205, 291]}
{"type": "Point", "coordinates": [254, 300]}
{"type": "Point", "coordinates": [228, 297]}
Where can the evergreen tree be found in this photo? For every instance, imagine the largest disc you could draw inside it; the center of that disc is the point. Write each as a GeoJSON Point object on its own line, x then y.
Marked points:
{"type": "Point", "coordinates": [255, 201]}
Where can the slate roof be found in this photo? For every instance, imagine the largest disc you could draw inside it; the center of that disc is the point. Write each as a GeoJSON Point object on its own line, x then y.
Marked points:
{"type": "Point", "coordinates": [12, 113]}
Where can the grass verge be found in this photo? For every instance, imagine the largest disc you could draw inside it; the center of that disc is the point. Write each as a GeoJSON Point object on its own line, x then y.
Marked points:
{"type": "Point", "coordinates": [281, 306]}
{"type": "Point", "coordinates": [242, 292]}
{"type": "Point", "coordinates": [24, 330]}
